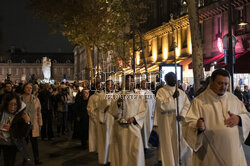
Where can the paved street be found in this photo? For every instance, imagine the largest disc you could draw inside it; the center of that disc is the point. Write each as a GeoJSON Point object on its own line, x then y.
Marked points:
{"type": "Point", "coordinates": [64, 151]}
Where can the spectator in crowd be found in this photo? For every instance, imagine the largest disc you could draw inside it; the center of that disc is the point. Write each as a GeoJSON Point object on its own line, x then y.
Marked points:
{"type": "Point", "coordinates": [19, 88]}
{"type": "Point", "coordinates": [204, 85]}
{"type": "Point", "coordinates": [238, 93]}
{"type": "Point", "coordinates": [82, 118]}
{"type": "Point", "coordinates": [246, 97]}
{"type": "Point", "coordinates": [33, 108]}
{"type": "Point", "coordinates": [35, 90]}
{"type": "Point", "coordinates": [14, 124]}
{"type": "Point", "coordinates": [7, 88]}
{"type": "Point", "coordinates": [46, 100]}
{"type": "Point", "coordinates": [61, 101]}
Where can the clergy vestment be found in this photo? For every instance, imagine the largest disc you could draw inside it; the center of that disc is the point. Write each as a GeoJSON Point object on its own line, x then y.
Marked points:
{"type": "Point", "coordinates": [219, 145]}
{"type": "Point", "coordinates": [92, 107]}
{"type": "Point", "coordinates": [149, 101]}
{"type": "Point", "coordinates": [104, 127]}
{"type": "Point", "coordinates": [127, 145]}
{"type": "Point", "coordinates": [165, 118]}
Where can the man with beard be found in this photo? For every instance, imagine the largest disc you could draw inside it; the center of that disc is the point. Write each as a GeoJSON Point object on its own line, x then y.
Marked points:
{"type": "Point", "coordinates": [217, 124]}
{"type": "Point", "coordinates": [166, 119]}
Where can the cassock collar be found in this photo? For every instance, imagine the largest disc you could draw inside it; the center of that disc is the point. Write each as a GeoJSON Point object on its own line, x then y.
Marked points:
{"type": "Point", "coordinates": [214, 95]}
{"type": "Point", "coordinates": [172, 88]}
{"type": "Point", "coordinates": [98, 92]}
{"type": "Point", "coordinates": [111, 92]}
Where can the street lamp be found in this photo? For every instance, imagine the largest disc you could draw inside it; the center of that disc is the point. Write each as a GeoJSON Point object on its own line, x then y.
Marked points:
{"type": "Point", "coordinates": [230, 66]}
{"type": "Point", "coordinates": [174, 45]}
{"type": "Point", "coordinates": [243, 21]}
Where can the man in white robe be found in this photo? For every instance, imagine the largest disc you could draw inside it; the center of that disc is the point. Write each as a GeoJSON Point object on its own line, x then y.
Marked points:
{"type": "Point", "coordinates": [129, 113]}
{"type": "Point", "coordinates": [166, 119]}
{"type": "Point", "coordinates": [92, 108]}
{"type": "Point", "coordinates": [149, 101]}
{"type": "Point", "coordinates": [105, 124]}
{"type": "Point", "coordinates": [216, 125]}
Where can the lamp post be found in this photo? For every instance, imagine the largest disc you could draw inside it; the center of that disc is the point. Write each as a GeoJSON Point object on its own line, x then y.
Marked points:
{"type": "Point", "coordinates": [230, 59]}
{"type": "Point", "coordinates": [174, 45]}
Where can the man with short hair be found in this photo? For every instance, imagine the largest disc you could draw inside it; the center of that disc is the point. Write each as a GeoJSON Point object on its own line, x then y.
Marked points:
{"type": "Point", "coordinates": [129, 112]}
{"type": "Point", "coordinates": [166, 120]}
{"type": "Point", "coordinates": [217, 124]}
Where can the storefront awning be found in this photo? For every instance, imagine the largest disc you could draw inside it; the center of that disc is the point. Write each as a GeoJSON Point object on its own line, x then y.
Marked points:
{"type": "Point", "coordinates": [242, 62]}
{"type": "Point", "coordinates": [209, 60]}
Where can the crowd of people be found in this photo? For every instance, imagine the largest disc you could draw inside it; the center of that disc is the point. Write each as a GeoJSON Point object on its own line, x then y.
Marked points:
{"type": "Point", "coordinates": [116, 122]}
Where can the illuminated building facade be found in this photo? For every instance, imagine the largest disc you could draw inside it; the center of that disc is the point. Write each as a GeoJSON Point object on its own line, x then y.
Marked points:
{"type": "Point", "coordinates": [213, 25]}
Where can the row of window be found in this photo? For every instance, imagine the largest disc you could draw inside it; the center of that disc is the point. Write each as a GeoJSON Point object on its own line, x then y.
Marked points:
{"type": "Point", "coordinates": [38, 61]}
{"type": "Point", "coordinates": [37, 71]}
{"type": "Point", "coordinates": [183, 32]}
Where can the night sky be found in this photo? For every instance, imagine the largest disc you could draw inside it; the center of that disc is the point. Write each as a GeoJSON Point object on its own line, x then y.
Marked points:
{"type": "Point", "coordinates": [20, 28]}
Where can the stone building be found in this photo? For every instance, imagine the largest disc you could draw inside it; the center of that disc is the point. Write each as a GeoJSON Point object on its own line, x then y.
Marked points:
{"type": "Point", "coordinates": [22, 65]}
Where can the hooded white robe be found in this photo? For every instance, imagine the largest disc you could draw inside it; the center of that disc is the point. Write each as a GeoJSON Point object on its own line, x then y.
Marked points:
{"type": "Point", "coordinates": [219, 145]}
{"type": "Point", "coordinates": [104, 127]}
{"type": "Point", "coordinates": [149, 101]}
{"type": "Point", "coordinates": [167, 126]}
{"type": "Point", "coordinates": [92, 107]}
{"type": "Point", "coordinates": [127, 140]}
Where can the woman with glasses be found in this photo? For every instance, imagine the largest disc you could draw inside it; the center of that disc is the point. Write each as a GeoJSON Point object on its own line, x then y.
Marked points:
{"type": "Point", "coordinates": [33, 108]}
{"type": "Point", "coordinates": [14, 124]}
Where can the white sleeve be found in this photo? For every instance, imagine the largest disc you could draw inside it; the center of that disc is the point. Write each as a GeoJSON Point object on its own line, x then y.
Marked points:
{"type": "Point", "coordinates": [139, 117]}
{"type": "Point", "coordinates": [189, 129]}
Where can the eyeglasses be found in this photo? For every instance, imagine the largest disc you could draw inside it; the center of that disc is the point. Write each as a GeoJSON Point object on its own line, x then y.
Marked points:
{"type": "Point", "coordinates": [13, 105]}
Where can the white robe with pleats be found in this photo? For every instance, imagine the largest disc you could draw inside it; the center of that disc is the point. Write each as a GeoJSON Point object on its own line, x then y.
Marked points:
{"type": "Point", "coordinates": [219, 145]}
{"type": "Point", "coordinates": [104, 127]}
{"type": "Point", "coordinates": [127, 145]}
{"type": "Point", "coordinates": [149, 101]}
{"type": "Point", "coordinates": [92, 107]}
{"type": "Point", "coordinates": [165, 118]}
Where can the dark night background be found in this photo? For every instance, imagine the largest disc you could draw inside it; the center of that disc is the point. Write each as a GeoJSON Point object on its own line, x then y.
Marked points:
{"type": "Point", "coordinates": [20, 28]}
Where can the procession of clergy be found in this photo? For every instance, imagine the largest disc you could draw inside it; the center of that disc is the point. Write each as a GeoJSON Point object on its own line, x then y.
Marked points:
{"type": "Point", "coordinates": [213, 127]}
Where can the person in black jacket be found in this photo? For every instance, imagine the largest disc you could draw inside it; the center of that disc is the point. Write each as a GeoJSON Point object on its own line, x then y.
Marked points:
{"type": "Point", "coordinates": [82, 117]}
{"type": "Point", "coordinates": [46, 100]}
{"type": "Point", "coordinates": [7, 89]}
{"type": "Point", "coordinates": [14, 126]}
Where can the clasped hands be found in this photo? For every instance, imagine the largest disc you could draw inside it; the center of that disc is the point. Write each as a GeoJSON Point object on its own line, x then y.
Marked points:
{"type": "Point", "coordinates": [232, 121]}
